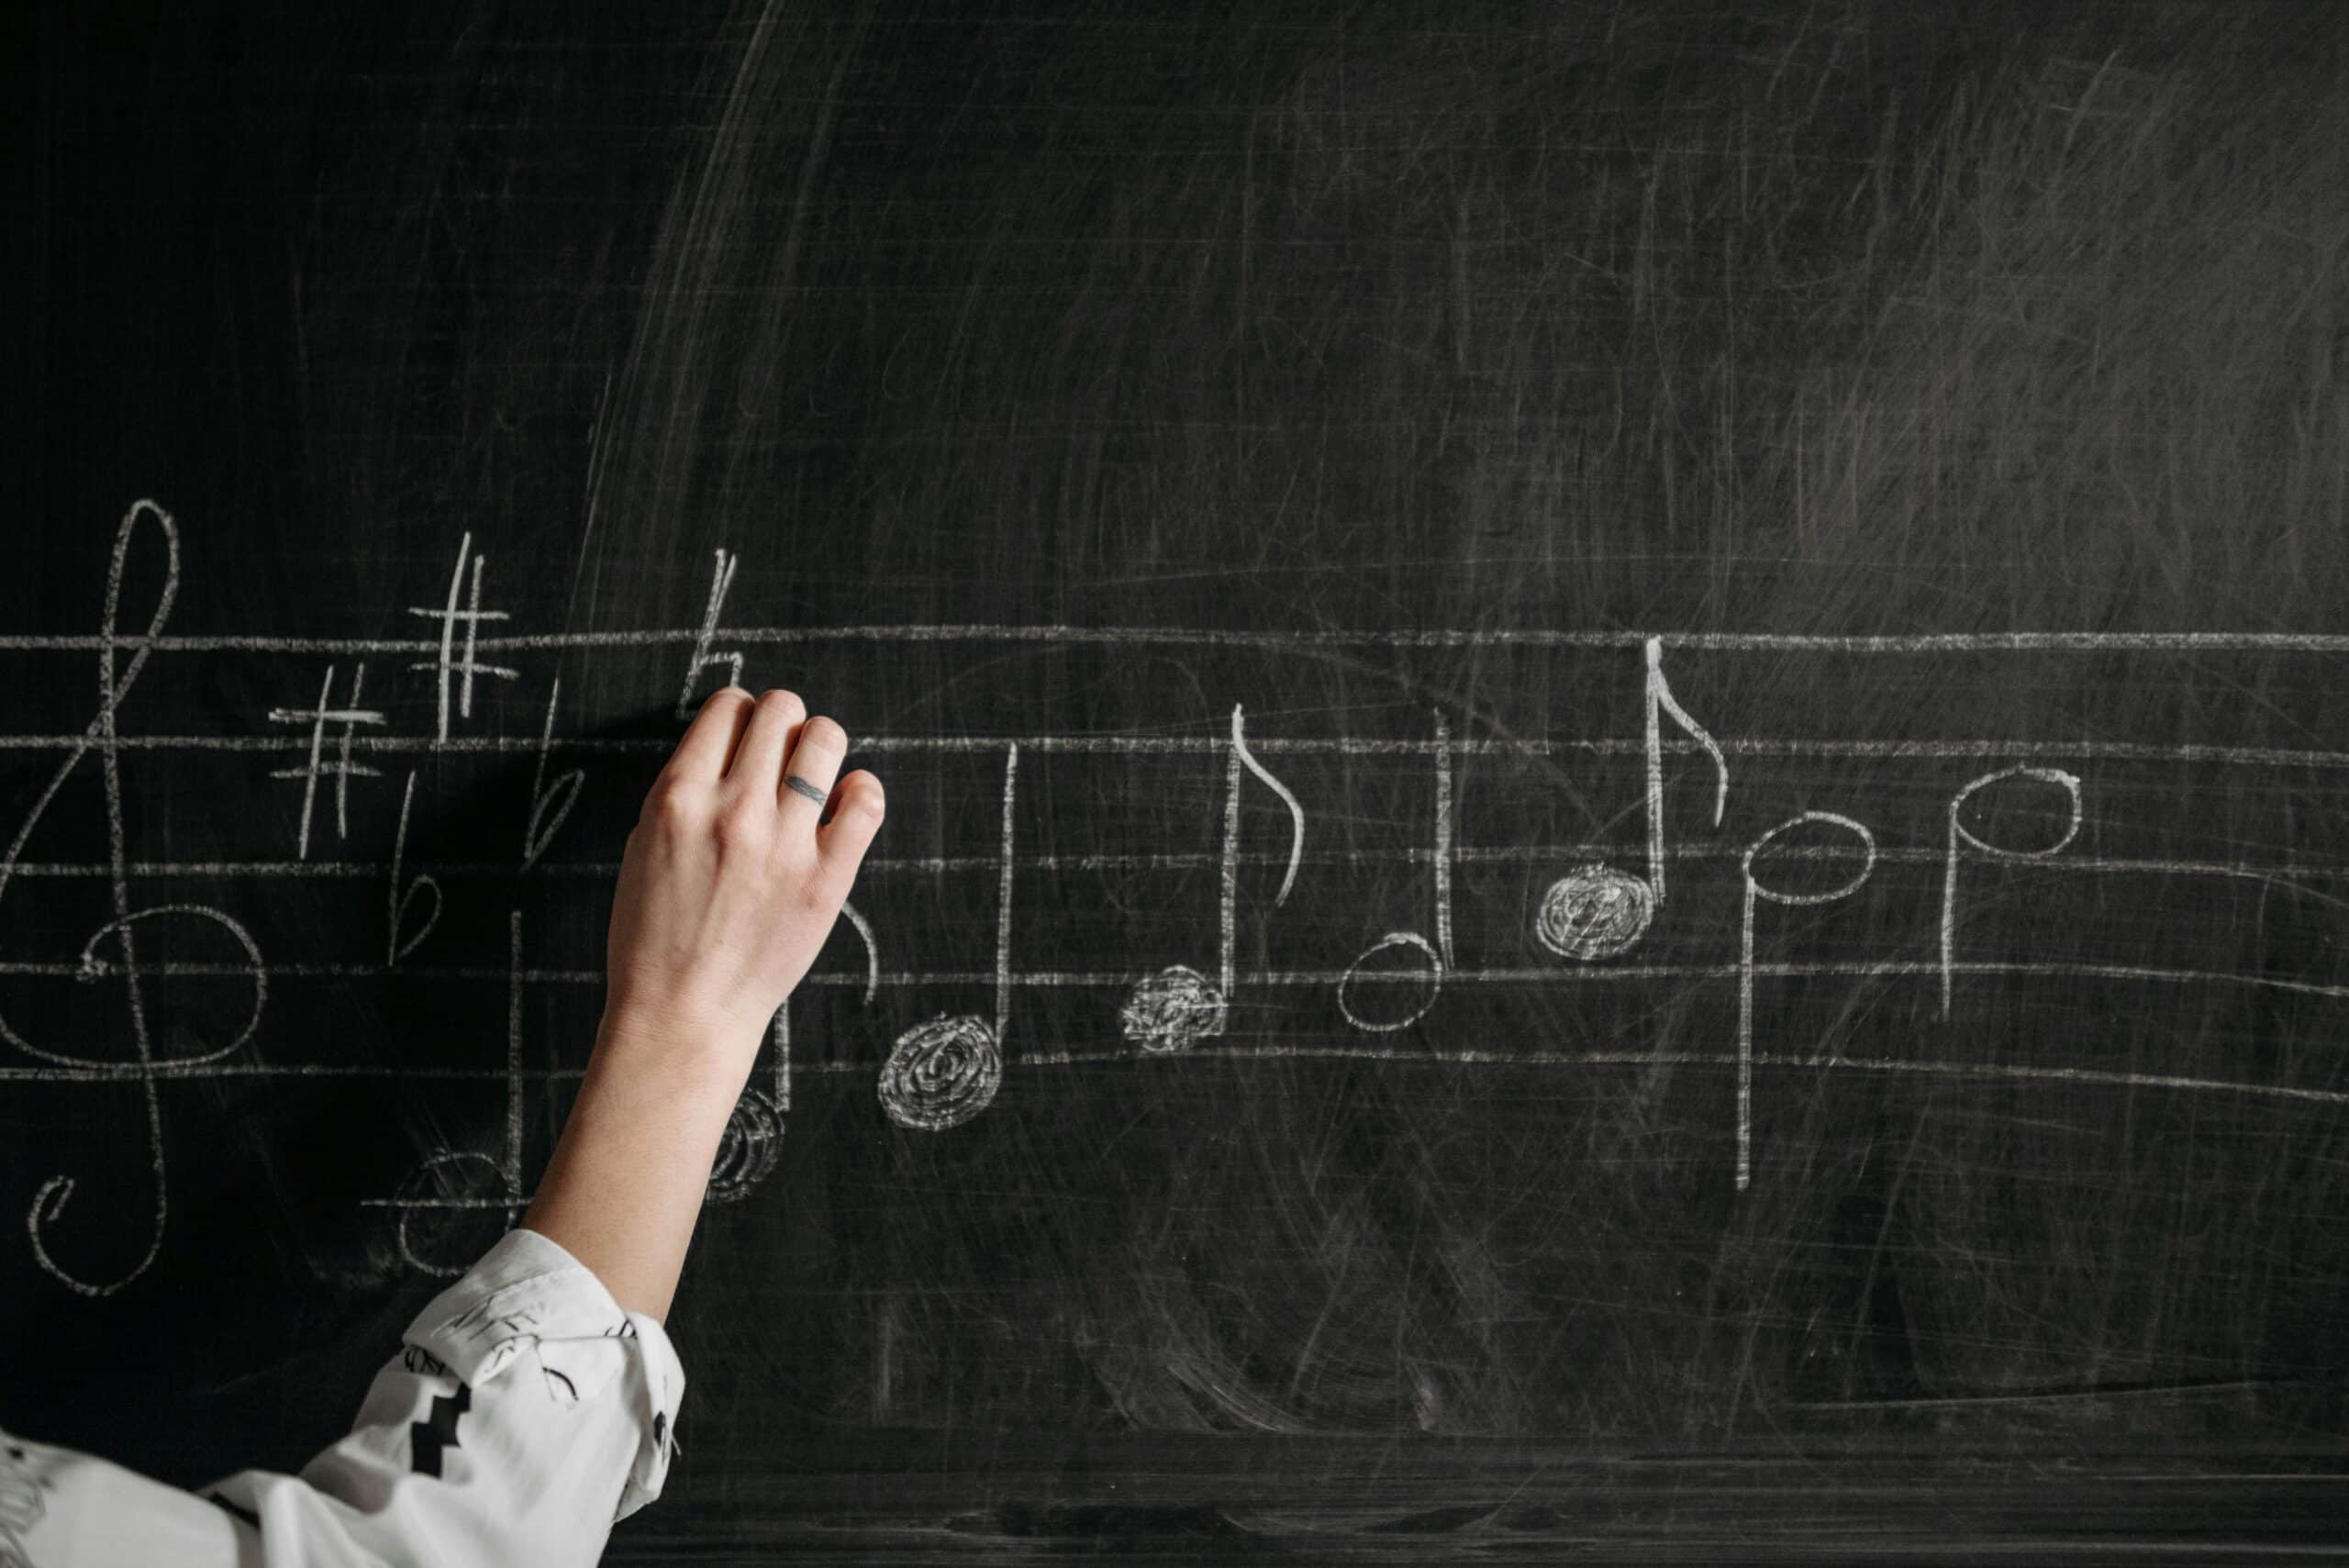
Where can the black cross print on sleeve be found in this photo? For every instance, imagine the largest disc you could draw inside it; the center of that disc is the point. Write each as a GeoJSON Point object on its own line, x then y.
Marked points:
{"type": "Point", "coordinates": [428, 1438]}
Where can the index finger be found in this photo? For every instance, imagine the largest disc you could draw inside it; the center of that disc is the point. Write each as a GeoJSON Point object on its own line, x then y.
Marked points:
{"type": "Point", "coordinates": [709, 740]}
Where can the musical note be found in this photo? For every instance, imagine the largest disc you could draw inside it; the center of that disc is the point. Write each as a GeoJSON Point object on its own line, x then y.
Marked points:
{"type": "Point", "coordinates": [1755, 891]}
{"type": "Point", "coordinates": [942, 1073]}
{"type": "Point", "coordinates": [101, 735]}
{"type": "Point", "coordinates": [1596, 910]}
{"type": "Point", "coordinates": [947, 1070]}
{"type": "Point", "coordinates": [425, 1190]}
{"type": "Point", "coordinates": [752, 1138]}
{"type": "Point", "coordinates": [1437, 955]}
{"type": "Point", "coordinates": [1959, 833]}
{"type": "Point", "coordinates": [1178, 1007]}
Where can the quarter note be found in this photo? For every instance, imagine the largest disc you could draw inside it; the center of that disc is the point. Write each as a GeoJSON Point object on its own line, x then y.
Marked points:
{"type": "Point", "coordinates": [425, 1188]}
{"type": "Point", "coordinates": [752, 1138]}
{"type": "Point", "coordinates": [942, 1073]}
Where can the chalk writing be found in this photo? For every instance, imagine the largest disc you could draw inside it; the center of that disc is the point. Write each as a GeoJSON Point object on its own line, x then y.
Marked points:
{"type": "Point", "coordinates": [721, 579]}
{"type": "Point", "coordinates": [550, 805]}
{"type": "Point", "coordinates": [1756, 892]}
{"type": "Point", "coordinates": [450, 669]}
{"type": "Point", "coordinates": [1962, 838]}
{"type": "Point", "coordinates": [340, 768]}
{"type": "Point", "coordinates": [50, 1201]}
{"type": "Point", "coordinates": [941, 1071]}
{"type": "Point", "coordinates": [1178, 1007]}
{"type": "Point", "coordinates": [399, 939]}
{"type": "Point", "coordinates": [1435, 958]}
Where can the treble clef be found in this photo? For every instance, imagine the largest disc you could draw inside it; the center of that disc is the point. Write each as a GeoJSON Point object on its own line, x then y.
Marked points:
{"type": "Point", "coordinates": [114, 685]}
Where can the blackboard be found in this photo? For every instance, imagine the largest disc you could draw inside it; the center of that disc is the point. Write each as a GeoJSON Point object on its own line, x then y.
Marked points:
{"type": "Point", "coordinates": [1613, 732]}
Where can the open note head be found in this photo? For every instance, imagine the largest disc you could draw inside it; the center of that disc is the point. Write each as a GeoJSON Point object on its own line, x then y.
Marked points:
{"type": "Point", "coordinates": [2047, 778]}
{"type": "Point", "coordinates": [1767, 848]}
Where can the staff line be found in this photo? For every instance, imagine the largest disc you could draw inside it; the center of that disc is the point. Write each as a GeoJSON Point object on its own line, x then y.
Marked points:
{"type": "Point", "coordinates": [1083, 979]}
{"type": "Point", "coordinates": [1200, 859]}
{"type": "Point", "coordinates": [1969, 1071]}
{"type": "Point", "coordinates": [1717, 641]}
{"type": "Point", "coordinates": [1150, 745]}
{"type": "Point", "coordinates": [2017, 1071]}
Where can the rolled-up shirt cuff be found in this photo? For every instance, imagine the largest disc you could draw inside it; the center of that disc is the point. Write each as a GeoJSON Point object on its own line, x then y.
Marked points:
{"type": "Point", "coordinates": [527, 1289]}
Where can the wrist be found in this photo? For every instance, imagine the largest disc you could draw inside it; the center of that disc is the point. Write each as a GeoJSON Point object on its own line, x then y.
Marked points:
{"type": "Point", "coordinates": [695, 1057]}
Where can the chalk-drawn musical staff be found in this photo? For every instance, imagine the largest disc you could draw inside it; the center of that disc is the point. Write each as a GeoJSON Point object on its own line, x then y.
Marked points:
{"type": "Point", "coordinates": [944, 1072]}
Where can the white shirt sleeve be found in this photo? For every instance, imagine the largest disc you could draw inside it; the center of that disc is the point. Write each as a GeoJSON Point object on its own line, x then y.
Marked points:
{"type": "Point", "coordinates": [525, 1414]}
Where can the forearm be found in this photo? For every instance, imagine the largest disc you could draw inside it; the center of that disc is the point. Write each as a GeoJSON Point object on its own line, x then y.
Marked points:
{"type": "Point", "coordinates": [625, 1186]}
{"type": "Point", "coordinates": [730, 881]}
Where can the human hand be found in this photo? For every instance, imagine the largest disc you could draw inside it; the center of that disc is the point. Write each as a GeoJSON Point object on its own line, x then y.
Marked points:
{"type": "Point", "coordinates": [731, 881]}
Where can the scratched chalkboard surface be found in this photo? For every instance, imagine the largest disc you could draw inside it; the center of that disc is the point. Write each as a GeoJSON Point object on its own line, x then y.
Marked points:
{"type": "Point", "coordinates": [1616, 736]}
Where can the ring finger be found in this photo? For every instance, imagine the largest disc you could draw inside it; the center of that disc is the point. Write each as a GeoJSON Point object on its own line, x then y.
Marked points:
{"type": "Point", "coordinates": [814, 764]}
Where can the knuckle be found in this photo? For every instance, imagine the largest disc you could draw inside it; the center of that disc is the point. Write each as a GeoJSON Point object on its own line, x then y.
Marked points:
{"type": "Point", "coordinates": [782, 697]}
{"type": "Point", "coordinates": [670, 804]}
{"type": "Point", "coordinates": [825, 734]}
{"type": "Point", "coordinates": [724, 697]}
{"type": "Point", "coordinates": [742, 822]}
